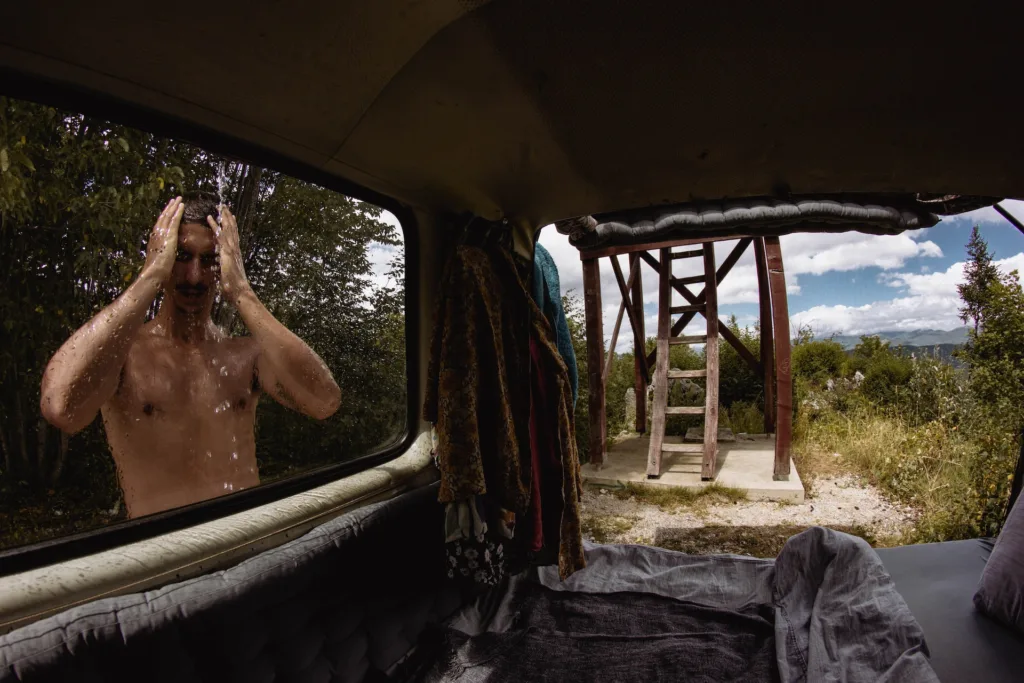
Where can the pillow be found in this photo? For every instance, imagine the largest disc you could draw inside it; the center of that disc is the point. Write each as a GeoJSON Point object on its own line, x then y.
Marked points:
{"type": "Point", "coordinates": [1001, 589]}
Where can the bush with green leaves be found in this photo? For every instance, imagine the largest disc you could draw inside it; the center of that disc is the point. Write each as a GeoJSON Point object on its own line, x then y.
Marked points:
{"type": "Point", "coordinates": [818, 360]}
{"type": "Point", "coordinates": [886, 377]}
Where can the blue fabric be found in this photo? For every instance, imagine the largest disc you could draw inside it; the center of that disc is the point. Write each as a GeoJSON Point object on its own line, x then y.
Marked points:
{"type": "Point", "coordinates": [547, 294]}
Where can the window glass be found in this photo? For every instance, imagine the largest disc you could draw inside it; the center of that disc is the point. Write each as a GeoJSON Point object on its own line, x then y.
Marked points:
{"type": "Point", "coordinates": [156, 350]}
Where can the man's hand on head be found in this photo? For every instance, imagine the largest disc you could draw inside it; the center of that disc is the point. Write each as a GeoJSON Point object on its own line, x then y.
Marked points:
{"type": "Point", "coordinates": [233, 282]}
{"type": "Point", "coordinates": [162, 248]}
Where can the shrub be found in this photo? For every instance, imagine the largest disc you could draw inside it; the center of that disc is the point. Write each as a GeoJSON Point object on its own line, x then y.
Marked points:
{"type": "Point", "coordinates": [936, 391]}
{"type": "Point", "coordinates": [818, 360]}
{"type": "Point", "coordinates": [886, 375]}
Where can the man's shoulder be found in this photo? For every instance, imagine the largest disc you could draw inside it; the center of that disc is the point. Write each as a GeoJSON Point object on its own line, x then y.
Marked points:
{"type": "Point", "coordinates": [241, 344]}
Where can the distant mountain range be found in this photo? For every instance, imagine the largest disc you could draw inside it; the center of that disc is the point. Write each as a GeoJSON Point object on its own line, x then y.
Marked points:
{"type": "Point", "coordinates": [915, 338]}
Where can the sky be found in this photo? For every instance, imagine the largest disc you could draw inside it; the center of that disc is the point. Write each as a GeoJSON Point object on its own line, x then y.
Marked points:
{"type": "Point", "coordinates": [844, 284]}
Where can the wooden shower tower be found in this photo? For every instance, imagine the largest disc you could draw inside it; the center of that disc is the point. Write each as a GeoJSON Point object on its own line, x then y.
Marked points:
{"type": "Point", "coordinates": [773, 362]}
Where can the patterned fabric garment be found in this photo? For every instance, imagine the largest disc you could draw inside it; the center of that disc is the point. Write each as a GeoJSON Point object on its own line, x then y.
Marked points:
{"type": "Point", "coordinates": [478, 388]}
{"type": "Point", "coordinates": [563, 437]}
{"type": "Point", "coordinates": [480, 560]}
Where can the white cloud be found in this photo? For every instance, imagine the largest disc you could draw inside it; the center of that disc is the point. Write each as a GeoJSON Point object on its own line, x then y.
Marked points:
{"type": "Point", "coordinates": [380, 255]}
{"type": "Point", "coordinates": [990, 215]}
{"type": "Point", "coordinates": [816, 254]}
{"type": "Point", "coordinates": [929, 300]}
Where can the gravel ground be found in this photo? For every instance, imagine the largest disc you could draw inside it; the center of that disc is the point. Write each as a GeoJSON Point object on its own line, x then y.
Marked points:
{"type": "Point", "coordinates": [843, 501]}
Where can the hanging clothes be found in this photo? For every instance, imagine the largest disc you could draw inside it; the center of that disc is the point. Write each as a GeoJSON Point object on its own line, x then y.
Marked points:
{"type": "Point", "coordinates": [478, 388]}
{"type": "Point", "coordinates": [547, 294]}
{"type": "Point", "coordinates": [556, 470]}
{"type": "Point", "coordinates": [478, 394]}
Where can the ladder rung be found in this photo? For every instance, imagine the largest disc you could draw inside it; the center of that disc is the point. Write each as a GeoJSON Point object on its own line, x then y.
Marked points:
{"type": "Point", "coordinates": [690, 339]}
{"type": "Point", "coordinates": [692, 280]}
{"type": "Point", "coordinates": [680, 374]}
{"type": "Point", "coordinates": [688, 254]}
{"type": "Point", "coordinates": [695, 308]}
{"type": "Point", "coordinates": [684, 410]}
{"type": "Point", "coordinates": [682, 447]}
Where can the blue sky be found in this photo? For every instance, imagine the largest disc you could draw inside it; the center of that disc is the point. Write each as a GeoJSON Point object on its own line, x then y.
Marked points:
{"type": "Point", "coordinates": [848, 283]}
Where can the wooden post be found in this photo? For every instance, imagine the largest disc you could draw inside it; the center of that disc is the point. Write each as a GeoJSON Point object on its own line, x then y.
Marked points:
{"type": "Point", "coordinates": [595, 357]}
{"type": "Point", "coordinates": [784, 380]}
{"type": "Point", "coordinates": [711, 355]}
{"type": "Point", "coordinates": [767, 346]}
{"type": "Point", "coordinates": [640, 368]}
{"type": "Point", "coordinates": [661, 371]}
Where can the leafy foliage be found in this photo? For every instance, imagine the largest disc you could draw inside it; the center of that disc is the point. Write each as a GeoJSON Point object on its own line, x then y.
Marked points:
{"type": "Point", "coordinates": [818, 360]}
{"type": "Point", "coordinates": [980, 275]}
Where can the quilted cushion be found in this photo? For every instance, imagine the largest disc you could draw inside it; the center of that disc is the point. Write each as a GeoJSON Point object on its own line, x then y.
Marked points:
{"type": "Point", "coordinates": [340, 602]}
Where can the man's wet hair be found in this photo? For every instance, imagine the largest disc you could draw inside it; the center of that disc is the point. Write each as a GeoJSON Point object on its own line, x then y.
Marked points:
{"type": "Point", "coordinates": [199, 205]}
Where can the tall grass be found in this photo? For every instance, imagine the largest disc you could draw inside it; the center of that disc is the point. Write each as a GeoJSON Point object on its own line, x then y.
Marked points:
{"type": "Point", "coordinates": [935, 450]}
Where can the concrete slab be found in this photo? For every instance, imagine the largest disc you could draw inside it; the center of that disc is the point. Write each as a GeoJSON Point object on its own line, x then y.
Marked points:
{"type": "Point", "coordinates": [744, 464]}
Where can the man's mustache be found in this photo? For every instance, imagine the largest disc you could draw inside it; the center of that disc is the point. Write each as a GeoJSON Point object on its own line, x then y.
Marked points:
{"type": "Point", "coordinates": [192, 289]}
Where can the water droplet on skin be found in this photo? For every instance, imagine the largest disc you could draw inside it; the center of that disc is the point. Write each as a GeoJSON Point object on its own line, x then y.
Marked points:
{"type": "Point", "coordinates": [222, 407]}
{"type": "Point", "coordinates": [209, 454]}
{"type": "Point", "coordinates": [224, 371]}
{"type": "Point", "coordinates": [234, 456]}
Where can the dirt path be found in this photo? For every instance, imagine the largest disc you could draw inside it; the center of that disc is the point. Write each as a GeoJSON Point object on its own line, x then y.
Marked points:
{"type": "Point", "coordinates": [719, 523]}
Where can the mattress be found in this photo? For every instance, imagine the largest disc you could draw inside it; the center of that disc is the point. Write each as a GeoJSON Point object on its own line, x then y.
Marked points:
{"type": "Point", "coordinates": [938, 580]}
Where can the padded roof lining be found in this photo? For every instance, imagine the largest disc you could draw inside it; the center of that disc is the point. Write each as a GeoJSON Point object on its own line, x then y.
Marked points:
{"type": "Point", "coordinates": [539, 109]}
{"type": "Point", "coordinates": [758, 217]}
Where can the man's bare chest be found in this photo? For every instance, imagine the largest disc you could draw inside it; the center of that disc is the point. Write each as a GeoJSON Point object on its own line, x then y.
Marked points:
{"type": "Point", "coordinates": [162, 378]}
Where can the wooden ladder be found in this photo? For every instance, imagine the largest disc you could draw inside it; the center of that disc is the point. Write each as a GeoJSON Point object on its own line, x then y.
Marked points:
{"type": "Point", "coordinates": [707, 305]}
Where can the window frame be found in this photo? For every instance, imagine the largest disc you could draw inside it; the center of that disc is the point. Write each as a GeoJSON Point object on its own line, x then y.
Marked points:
{"type": "Point", "coordinates": [44, 91]}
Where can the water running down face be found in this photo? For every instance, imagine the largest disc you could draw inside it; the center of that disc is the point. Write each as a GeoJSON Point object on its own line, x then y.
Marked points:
{"type": "Point", "coordinates": [196, 270]}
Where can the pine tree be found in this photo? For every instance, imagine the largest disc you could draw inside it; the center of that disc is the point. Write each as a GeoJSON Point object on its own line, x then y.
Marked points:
{"type": "Point", "coordinates": [980, 275]}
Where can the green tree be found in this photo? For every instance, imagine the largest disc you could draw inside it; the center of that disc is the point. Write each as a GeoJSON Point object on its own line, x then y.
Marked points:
{"type": "Point", "coordinates": [994, 355]}
{"type": "Point", "coordinates": [979, 276]}
{"type": "Point", "coordinates": [737, 382]}
{"type": "Point", "coordinates": [818, 360]}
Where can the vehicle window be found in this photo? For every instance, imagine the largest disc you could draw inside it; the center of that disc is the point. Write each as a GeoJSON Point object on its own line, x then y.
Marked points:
{"type": "Point", "coordinates": [178, 326]}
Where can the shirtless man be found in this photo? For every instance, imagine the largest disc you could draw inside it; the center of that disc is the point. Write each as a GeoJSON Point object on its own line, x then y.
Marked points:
{"type": "Point", "coordinates": [178, 396]}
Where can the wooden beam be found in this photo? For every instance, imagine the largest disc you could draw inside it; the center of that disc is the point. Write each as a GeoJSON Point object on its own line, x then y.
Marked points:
{"type": "Point", "coordinates": [661, 371]}
{"type": "Point", "coordinates": [624, 289]}
{"type": "Point", "coordinates": [641, 371]}
{"type": "Point", "coordinates": [595, 358]}
{"type": "Point", "coordinates": [784, 380]}
{"type": "Point", "coordinates": [651, 261]}
{"type": "Point", "coordinates": [723, 270]}
{"type": "Point", "coordinates": [767, 340]}
{"type": "Point", "coordinates": [708, 465]}
{"type": "Point", "coordinates": [650, 246]}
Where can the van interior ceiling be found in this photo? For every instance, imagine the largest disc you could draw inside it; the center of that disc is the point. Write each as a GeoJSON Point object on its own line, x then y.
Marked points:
{"type": "Point", "coordinates": [455, 553]}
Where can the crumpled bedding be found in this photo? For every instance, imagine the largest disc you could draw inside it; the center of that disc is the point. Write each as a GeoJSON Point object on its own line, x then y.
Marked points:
{"type": "Point", "coordinates": [824, 610]}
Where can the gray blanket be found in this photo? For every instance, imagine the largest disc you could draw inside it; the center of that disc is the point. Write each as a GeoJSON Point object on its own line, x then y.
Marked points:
{"type": "Point", "coordinates": [824, 610]}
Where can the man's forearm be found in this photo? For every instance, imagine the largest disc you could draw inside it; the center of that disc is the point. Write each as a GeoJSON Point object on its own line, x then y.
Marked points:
{"type": "Point", "coordinates": [84, 372]}
{"type": "Point", "coordinates": [300, 374]}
